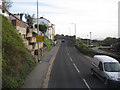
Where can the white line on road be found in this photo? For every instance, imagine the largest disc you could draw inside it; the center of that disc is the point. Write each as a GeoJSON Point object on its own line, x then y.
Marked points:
{"type": "Point", "coordinates": [86, 84]}
{"type": "Point", "coordinates": [76, 67]}
{"type": "Point", "coordinates": [68, 55]}
{"type": "Point", "coordinates": [71, 59]}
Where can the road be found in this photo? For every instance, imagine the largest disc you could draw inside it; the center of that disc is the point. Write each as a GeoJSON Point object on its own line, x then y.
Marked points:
{"type": "Point", "coordinates": [71, 69]}
{"type": "Point", "coordinates": [102, 51]}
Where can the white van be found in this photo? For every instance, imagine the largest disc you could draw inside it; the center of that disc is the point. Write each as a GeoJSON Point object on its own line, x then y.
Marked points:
{"type": "Point", "coordinates": [107, 69]}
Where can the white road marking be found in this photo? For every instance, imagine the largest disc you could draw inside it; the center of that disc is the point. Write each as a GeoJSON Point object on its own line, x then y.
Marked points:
{"type": "Point", "coordinates": [68, 55]}
{"type": "Point", "coordinates": [86, 84]}
{"type": "Point", "coordinates": [76, 68]}
{"type": "Point", "coordinates": [66, 48]}
{"type": "Point", "coordinates": [71, 59]}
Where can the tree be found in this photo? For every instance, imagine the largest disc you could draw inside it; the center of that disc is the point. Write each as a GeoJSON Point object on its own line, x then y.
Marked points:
{"type": "Point", "coordinates": [62, 35]}
{"type": "Point", "coordinates": [7, 4]}
{"type": "Point", "coordinates": [30, 20]}
{"type": "Point", "coordinates": [55, 38]}
{"type": "Point", "coordinates": [109, 41]}
{"type": "Point", "coordinates": [42, 27]}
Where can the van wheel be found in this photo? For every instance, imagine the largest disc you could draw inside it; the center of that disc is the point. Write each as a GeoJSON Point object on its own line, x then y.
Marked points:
{"type": "Point", "coordinates": [92, 72]}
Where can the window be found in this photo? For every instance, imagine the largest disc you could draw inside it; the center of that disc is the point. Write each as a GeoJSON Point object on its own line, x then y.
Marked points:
{"type": "Point", "coordinates": [100, 66]}
{"type": "Point", "coordinates": [112, 67]}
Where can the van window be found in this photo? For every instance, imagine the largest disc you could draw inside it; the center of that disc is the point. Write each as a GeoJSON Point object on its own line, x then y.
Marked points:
{"type": "Point", "coordinates": [100, 66]}
{"type": "Point", "coordinates": [112, 67]}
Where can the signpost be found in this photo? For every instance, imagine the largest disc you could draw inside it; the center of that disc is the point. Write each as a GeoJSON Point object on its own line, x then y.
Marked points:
{"type": "Point", "coordinates": [39, 38]}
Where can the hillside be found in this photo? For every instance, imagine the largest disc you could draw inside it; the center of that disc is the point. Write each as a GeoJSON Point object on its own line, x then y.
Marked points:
{"type": "Point", "coordinates": [17, 62]}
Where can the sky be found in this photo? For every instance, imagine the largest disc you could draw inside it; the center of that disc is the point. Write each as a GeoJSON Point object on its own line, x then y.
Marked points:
{"type": "Point", "coordinates": [97, 16]}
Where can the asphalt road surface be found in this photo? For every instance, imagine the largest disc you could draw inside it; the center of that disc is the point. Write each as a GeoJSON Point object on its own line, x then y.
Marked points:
{"type": "Point", "coordinates": [71, 69]}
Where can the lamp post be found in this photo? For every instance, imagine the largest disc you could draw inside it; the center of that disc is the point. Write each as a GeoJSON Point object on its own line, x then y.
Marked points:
{"type": "Point", "coordinates": [38, 33]}
{"type": "Point", "coordinates": [90, 38]}
{"type": "Point", "coordinates": [70, 31]}
{"type": "Point", "coordinates": [87, 40]}
{"type": "Point", "coordinates": [75, 29]}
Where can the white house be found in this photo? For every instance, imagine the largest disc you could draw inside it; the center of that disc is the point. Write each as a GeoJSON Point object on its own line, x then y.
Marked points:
{"type": "Point", "coordinates": [49, 32]}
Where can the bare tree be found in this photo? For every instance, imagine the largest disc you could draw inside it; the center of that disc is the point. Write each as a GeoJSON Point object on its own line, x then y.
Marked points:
{"type": "Point", "coordinates": [30, 20]}
{"type": "Point", "coordinates": [7, 4]}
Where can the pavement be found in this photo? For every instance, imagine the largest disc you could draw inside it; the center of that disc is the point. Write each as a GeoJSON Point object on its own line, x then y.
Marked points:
{"type": "Point", "coordinates": [36, 78]}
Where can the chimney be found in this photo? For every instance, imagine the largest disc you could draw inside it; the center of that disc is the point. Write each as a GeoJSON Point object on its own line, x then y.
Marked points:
{"type": "Point", "coordinates": [3, 4]}
{"type": "Point", "coordinates": [21, 15]}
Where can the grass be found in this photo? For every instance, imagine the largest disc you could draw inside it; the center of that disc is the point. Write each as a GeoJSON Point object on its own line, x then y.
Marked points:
{"type": "Point", "coordinates": [48, 42]}
{"type": "Point", "coordinates": [84, 49]}
{"type": "Point", "coordinates": [17, 62]}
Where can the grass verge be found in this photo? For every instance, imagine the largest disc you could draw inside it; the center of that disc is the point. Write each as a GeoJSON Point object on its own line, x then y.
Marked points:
{"type": "Point", "coordinates": [48, 42]}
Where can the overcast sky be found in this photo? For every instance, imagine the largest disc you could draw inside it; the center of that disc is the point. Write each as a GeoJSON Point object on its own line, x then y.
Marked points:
{"type": "Point", "coordinates": [97, 16]}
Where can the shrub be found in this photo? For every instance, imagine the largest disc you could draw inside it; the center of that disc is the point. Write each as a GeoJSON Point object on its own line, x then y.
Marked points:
{"type": "Point", "coordinates": [84, 49]}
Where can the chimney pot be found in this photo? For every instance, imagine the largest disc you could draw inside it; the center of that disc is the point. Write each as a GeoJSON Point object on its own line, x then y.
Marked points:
{"type": "Point", "coordinates": [3, 4]}
{"type": "Point", "coordinates": [21, 15]}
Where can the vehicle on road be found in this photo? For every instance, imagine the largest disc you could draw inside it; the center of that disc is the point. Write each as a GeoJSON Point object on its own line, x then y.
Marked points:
{"type": "Point", "coordinates": [90, 46]}
{"type": "Point", "coordinates": [63, 40]}
{"type": "Point", "coordinates": [107, 69]}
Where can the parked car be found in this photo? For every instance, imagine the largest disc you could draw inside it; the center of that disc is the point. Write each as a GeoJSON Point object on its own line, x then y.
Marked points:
{"type": "Point", "coordinates": [90, 46]}
{"type": "Point", "coordinates": [107, 69]}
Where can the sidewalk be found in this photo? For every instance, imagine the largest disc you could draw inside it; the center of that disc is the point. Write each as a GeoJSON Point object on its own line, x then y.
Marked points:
{"type": "Point", "coordinates": [36, 77]}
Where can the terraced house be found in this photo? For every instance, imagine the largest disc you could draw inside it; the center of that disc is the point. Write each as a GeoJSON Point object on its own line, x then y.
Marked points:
{"type": "Point", "coordinates": [50, 33]}
{"type": "Point", "coordinates": [28, 35]}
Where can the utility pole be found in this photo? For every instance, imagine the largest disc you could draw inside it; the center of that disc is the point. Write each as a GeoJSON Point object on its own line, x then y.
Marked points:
{"type": "Point", "coordinates": [90, 38]}
{"type": "Point", "coordinates": [75, 29]}
{"type": "Point", "coordinates": [38, 33]}
{"type": "Point", "coordinates": [70, 31]}
{"type": "Point", "coordinates": [87, 40]}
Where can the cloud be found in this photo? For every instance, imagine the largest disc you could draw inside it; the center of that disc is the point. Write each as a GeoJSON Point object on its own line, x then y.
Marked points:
{"type": "Point", "coordinates": [89, 15]}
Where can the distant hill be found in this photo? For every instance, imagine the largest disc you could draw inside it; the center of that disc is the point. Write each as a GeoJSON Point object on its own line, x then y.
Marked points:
{"type": "Point", "coordinates": [17, 62]}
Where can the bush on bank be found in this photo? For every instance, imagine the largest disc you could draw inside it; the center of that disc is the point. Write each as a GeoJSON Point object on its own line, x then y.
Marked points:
{"type": "Point", "coordinates": [84, 49]}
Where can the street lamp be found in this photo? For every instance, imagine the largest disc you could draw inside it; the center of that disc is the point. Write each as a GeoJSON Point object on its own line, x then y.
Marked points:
{"type": "Point", "coordinates": [90, 38]}
{"type": "Point", "coordinates": [70, 31]}
{"type": "Point", "coordinates": [87, 40]}
{"type": "Point", "coordinates": [38, 33]}
{"type": "Point", "coordinates": [75, 29]}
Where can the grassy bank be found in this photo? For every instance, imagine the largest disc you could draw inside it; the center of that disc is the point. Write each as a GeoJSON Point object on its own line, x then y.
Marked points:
{"type": "Point", "coordinates": [84, 49]}
{"type": "Point", "coordinates": [17, 62]}
{"type": "Point", "coordinates": [48, 42]}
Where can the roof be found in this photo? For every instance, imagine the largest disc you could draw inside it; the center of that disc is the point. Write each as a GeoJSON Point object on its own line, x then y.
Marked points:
{"type": "Point", "coordinates": [14, 17]}
{"type": "Point", "coordinates": [104, 58]}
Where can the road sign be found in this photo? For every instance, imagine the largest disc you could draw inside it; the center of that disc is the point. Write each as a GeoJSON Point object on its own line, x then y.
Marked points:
{"type": "Point", "coordinates": [39, 38]}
